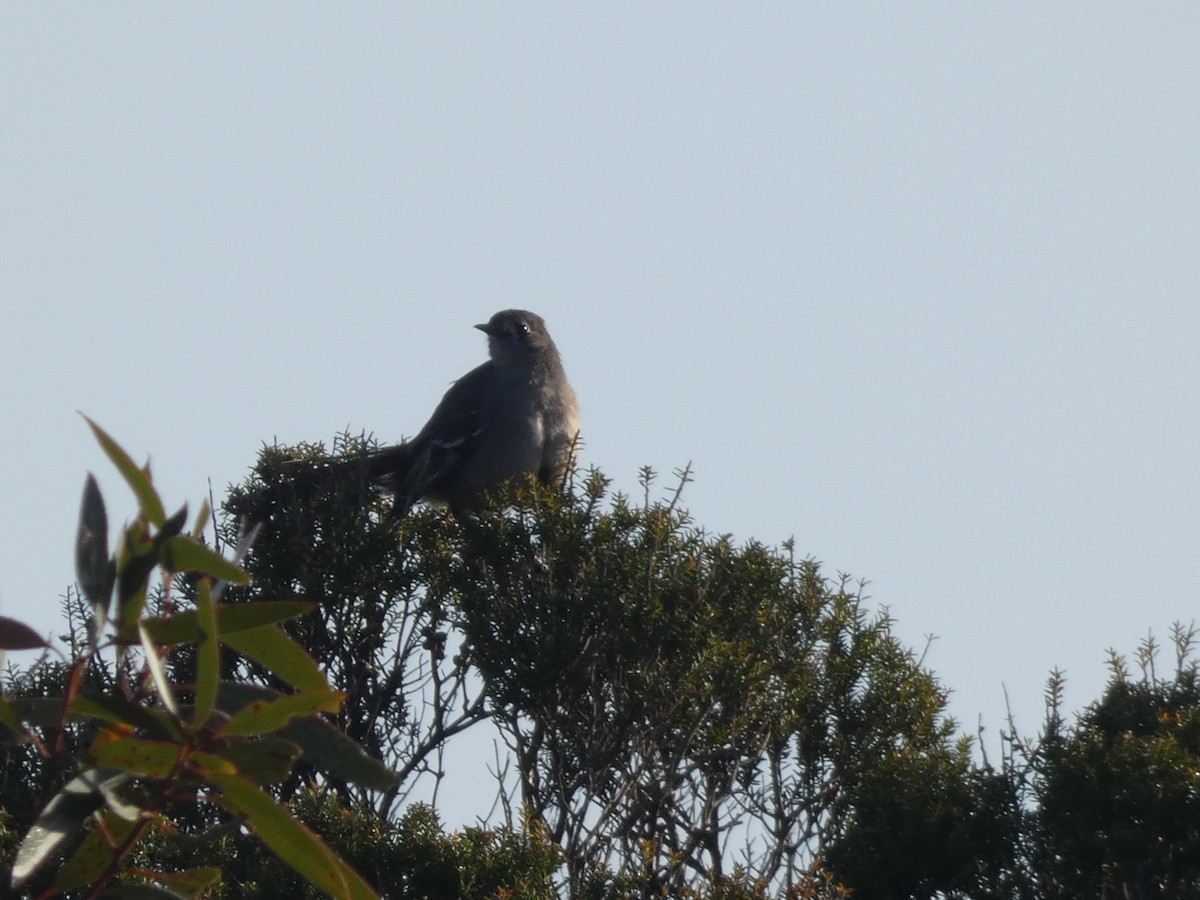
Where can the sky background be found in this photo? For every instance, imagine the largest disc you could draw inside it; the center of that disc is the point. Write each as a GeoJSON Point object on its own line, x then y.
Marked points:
{"type": "Point", "coordinates": [912, 284]}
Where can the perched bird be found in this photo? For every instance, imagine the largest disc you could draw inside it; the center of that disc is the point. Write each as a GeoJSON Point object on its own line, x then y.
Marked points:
{"type": "Point", "coordinates": [516, 414]}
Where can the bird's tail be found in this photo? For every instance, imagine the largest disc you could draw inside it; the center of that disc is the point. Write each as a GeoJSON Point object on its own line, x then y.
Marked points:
{"type": "Point", "coordinates": [399, 469]}
{"type": "Point", "coordinates": [388, 466]}
{"type": "Point", "coordinates": [394, 468]}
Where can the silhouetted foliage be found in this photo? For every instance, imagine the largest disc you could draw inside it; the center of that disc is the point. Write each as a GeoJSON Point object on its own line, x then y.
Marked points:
{"type": "Point", "coordinates": [327, 539]}
{"type": "Point", "coordinates": [683, 716]}
{"type": "Point", "coordinates": [411, 858]}
{"type": "Point", "coordinates": [105, 753]}
{"type": "Point", "coordinates": [1118, 794]}
{"type": "Point", "coordinates": [674, 704]}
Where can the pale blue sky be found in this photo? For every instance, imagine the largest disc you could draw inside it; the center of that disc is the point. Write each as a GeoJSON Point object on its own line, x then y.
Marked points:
{"type": "Point", "coordinates": [915, 284]}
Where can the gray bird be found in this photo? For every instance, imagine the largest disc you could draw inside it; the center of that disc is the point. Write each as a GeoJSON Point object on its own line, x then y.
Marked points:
{"type": "Point", "coordinates": [516, 414]}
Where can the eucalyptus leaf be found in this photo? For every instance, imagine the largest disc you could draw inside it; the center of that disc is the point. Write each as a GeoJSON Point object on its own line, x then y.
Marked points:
{"type": "Point", "coordinates": [92, 567]}
{"type": "Point", "coordinates": [157, 671]}
{"type": "Point", "coordinates": [184, 627]}
{"type": "Point", "coordinates": [137, 477]}
{"type": "Point", "coordinates": [270, 647]}
{"type": "Point", "coordinates": [94, 855]}
{"type": "Point", "coordinates": [183, 553]}
{"type": "Point", "coordinates": [324, 746]}
{"type": "Point", "coordinates": [16, 635]}
{"type": "Point", "coordinates": [63, 816]}
{"type": "Point", "coordinates": [288, 839]}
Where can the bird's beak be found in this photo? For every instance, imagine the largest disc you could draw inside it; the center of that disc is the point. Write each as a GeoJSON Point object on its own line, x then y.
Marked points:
{"type": "Point", "coordinates": [485, 329]}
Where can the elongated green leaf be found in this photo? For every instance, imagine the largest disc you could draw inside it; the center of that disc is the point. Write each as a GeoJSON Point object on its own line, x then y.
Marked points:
{"type": "Point", "coordinates": [183, 553]}
{"type": "Point", "coordinates": [245, 541]}
{"type": "Point", "coordinates": [119, 711]}
{"type": "Point", "coordinates": [94, 855]}
{"type": "Point", "coordinates": [173, 525]}
{"type": "Point", "coordinates": [323, 745]}
{"type": "Point", "coordinates": [236, 694]}
{"type": "Point", "coordinates": [332, 751]}
{"type": "Point", "coordinates": [137, 560]}
{"type": "Point", "coordinates": [136, 477]}
{"type": "Point", "coordinates": [113, 790]}
{"type": "Point", "coordinates": [156, 759]}
{"type": "Point", "coordinates": [209, 653]}
{"type": "Point", "coordinates": [157, 672]}
{"type": "Point", "coordinates": [267, 760]}
{"type": "Point", "coordinates": [38, 710]}
{"type": "Point", "coordinates": [184, 627]}
{"type": "Point", "coordinates": [48, 712]}
{"type": "Point", "coordinates": [202, 518]}
{"type": "Point", "coordinates": [291, 841]}
{"type": "Point", "coordinates": [190, 882]}
{"type": "Point", "coordinates": [92, 567]}
{"type": "Point", "coordinates": [207, 765]}
{"type": "Point", "coordinates": [16, 635]}
{"type": "Point", "coordinates": [270, 647]}
{"type": "Point", "coordinates": [265, 716]}
{"type": "Point", "coordinates": [64, 815]}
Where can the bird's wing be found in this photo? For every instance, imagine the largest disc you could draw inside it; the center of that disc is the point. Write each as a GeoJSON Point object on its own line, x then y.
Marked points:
{"type": "Point", "coordinates": [452, 434]}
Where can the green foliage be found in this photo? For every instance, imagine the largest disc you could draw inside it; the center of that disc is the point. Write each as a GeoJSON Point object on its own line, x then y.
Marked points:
{"type": "Point", "coordinates": [666, 694]}
{"type": "Point", "coordinates": [1119, 793]}
{"type": "Point", "coordinates": [328, 539]}
{"type": "Point", "coordinates": [476, 862]}
{"type": "Point", "coordinates": [408, 859]}
{"type": "Point", "coordinates": [683, 716]}
{"type": "Point", "coordinates": [928, 826]}
{"type": "Point", "coordinates": [124, 752]}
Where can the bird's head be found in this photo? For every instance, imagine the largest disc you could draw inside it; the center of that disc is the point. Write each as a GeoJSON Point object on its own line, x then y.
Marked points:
{"type": "Point", "coordinates": [515, 335]}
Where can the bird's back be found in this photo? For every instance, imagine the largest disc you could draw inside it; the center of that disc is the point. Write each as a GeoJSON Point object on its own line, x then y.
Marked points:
{"type": "Point", "coordinates": [515, 414]}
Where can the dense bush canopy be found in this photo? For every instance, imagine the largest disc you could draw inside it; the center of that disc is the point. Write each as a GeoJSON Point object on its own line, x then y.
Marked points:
{"type": "Point", "coordinates": [680, 715]}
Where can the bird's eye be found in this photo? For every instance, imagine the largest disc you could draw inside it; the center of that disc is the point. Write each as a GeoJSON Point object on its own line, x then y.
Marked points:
{"type": "Point", "coordinates": [523, 327]}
